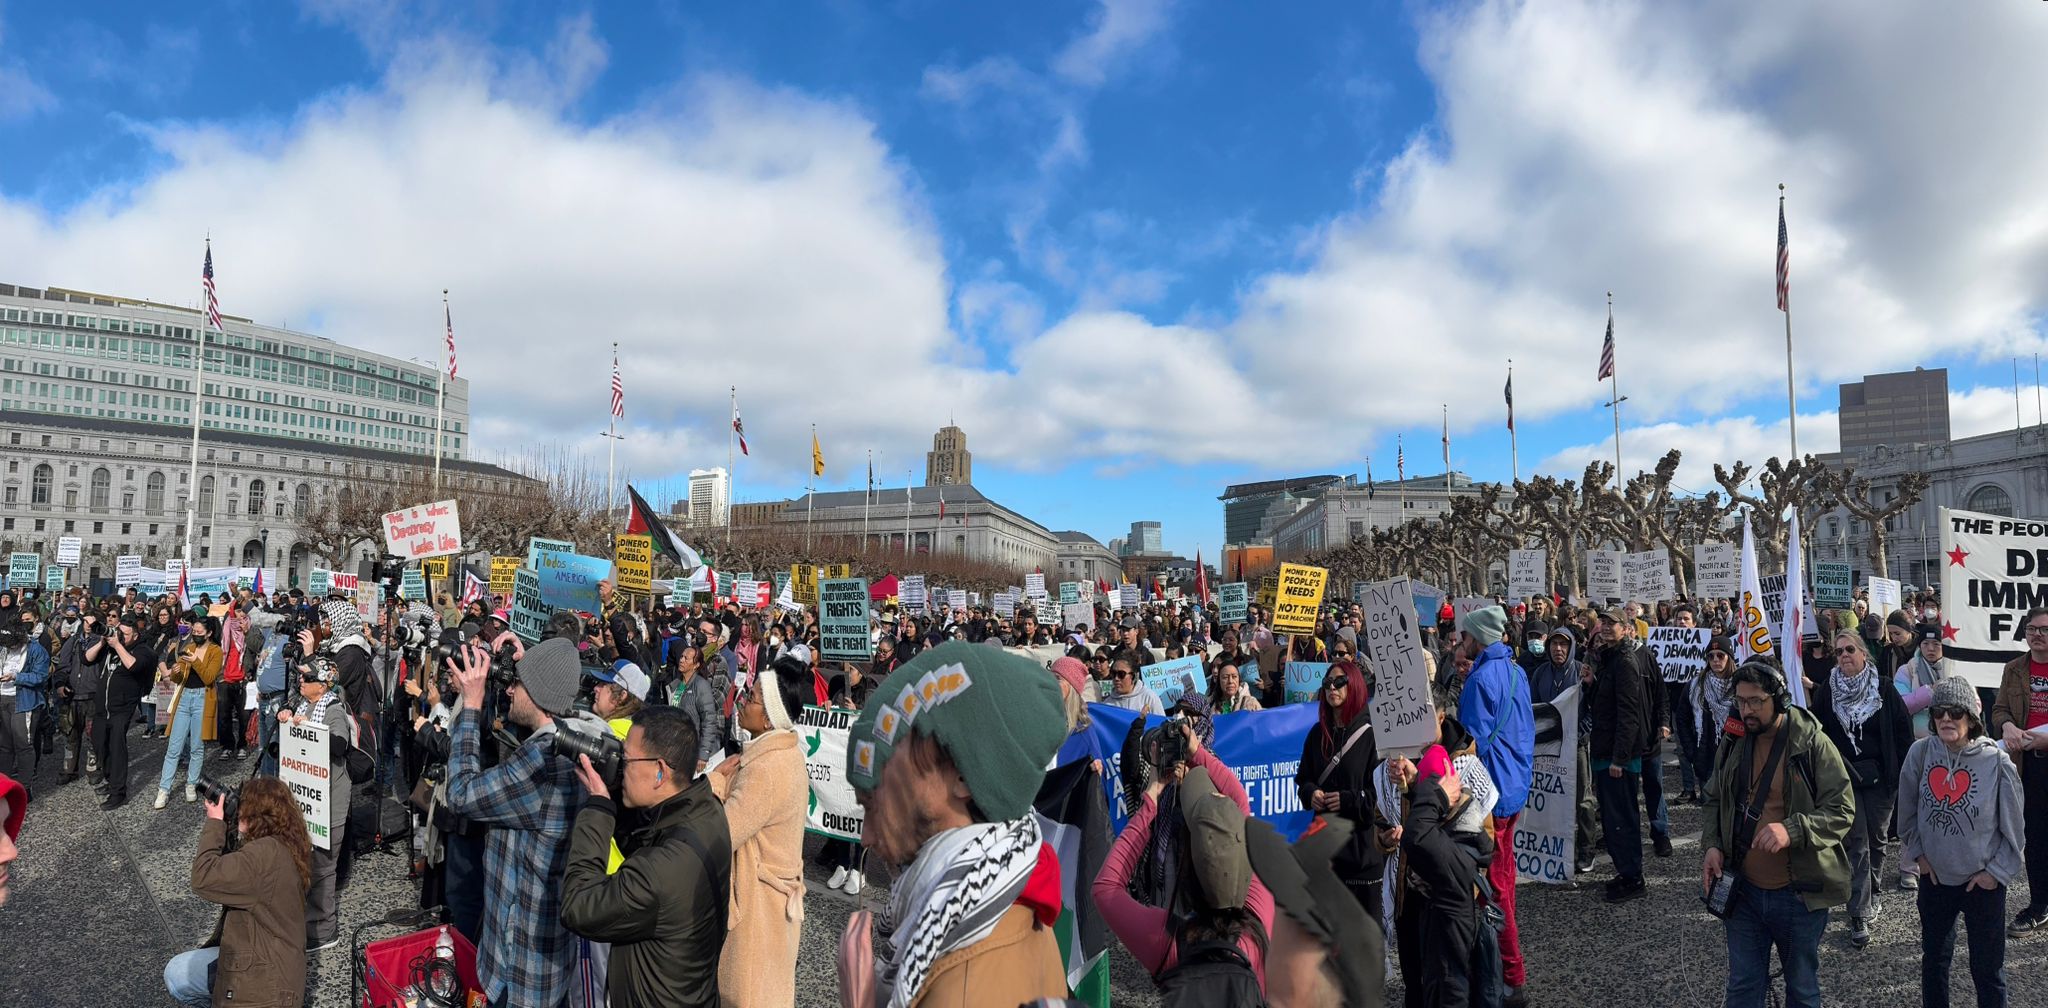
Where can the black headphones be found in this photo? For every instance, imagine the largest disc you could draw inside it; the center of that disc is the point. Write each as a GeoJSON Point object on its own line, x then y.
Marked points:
{"type": "Point", "coordinates": [1769, 679]}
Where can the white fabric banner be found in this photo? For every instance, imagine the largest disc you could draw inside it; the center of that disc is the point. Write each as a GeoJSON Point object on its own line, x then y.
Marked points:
{"type": "Point", "coordinates": [832, 811]}
{"type": "Point", "coordinates": [1993, 569]}
{"type": "Point", "coordinates": [1544, 832]}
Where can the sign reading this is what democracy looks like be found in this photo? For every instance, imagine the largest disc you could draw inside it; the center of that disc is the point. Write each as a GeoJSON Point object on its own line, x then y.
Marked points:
{"type": "Point", "coordinates": [424, 530]}
{"type": "Point", "coordinates": [1993, 569]}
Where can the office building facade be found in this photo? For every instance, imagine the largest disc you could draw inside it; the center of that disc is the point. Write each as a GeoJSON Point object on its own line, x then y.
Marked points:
{"type": "Point", "coordinates": [1906, 407]}
{"type": "Point", "coordinates": [1081, 558]}
{"type": "Point", "coordinates": [710, 503]}
{"type": "Point", "coordinates": [1251, 511]}
{"type": "Point", "coordinates": [1345, 511]}
{"type": "Point", "coordinates": [949, 461]}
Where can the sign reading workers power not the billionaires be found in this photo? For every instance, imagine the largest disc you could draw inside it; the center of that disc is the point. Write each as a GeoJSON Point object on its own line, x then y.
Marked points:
{"type": "Point", "coordinates": [1993, 569]}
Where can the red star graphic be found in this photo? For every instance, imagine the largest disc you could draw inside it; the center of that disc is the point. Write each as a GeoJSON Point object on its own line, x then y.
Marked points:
{"type": "Point", "coordinates": [1948, 633]}
{"type": "Point", "coordinates": [1955, 556]}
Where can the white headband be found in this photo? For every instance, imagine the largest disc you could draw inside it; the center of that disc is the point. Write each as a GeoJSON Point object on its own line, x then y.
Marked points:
{"type": "Point", "coordinates": [770, 689]}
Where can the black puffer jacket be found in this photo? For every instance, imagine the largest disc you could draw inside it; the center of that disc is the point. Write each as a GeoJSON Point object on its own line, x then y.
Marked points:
{"type": "Point", "coordinates": [1622, 715]}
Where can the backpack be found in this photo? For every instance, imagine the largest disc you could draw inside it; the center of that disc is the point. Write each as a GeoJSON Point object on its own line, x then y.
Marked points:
{"type": "Point", "coordinates": [1210, 973]}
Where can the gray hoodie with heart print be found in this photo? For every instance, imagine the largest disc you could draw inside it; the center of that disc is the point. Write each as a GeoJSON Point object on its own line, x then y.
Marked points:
{"type": "Point", "coordinates": [1961, 811]}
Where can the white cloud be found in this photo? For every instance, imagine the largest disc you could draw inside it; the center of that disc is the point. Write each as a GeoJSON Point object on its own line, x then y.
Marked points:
{"type": "Point", "coordinates": [1116, 30]}
{"type": "Point", "coordinates": [1990, 408]}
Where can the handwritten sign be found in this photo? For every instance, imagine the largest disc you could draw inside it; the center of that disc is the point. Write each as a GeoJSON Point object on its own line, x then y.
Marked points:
{"type": "Point", "coordinates": [1681, 652]}
{"type": "Point", "coordinates": [1603, 575]}
{"type": "Point", "coordinates": [1169, 679]}
{"type": "Point", "coordinates": [1300, 597]}
{"type": "Point", "coordinates": [1078, 616]}
{"type": "Point", "coordinates": [843, 620]}
{"type": "Point", "coordinates": [1303, 679]}
{"type": "Point", "coordinates": [1714, 569]}
{"type": "Point", "coordinates": [529, 611]}
{"type": "Point", "coordinates": [1525, 572]}
{"type": "Point", "coordinates": [302, 767]}
{"type": "Point", "coordinates": [1884, 595]}
{"type": "Point", "coordinates": [1403, 709]}
{"type": "Point", "coordinates": [424, 530]}
{"type": "Point", "coordinates": [1233, 602]}
{"type": "Point", "coordinates": [569, 580]}
{"type": "Point", "coordinates": [1643, 574]}
{"type": "Point", "coordinates": [536, 546]}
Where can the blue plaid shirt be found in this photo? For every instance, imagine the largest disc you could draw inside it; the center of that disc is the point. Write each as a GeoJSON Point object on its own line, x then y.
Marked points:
{"type": "Point", "coordinates": [530, 800]}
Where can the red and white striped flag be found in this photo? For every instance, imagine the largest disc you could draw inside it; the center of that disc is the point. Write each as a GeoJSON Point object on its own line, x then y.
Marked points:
{"type": "Point", "coordinates": [451, 339]}
{"type": "Point", "coordinates": [1784, 259]}
{"type": "Point", "coordinates": [1607, 350]}
{"type": "Point", "coordinates": [618, 388]}
{"type": "Point", "coordinates": [472, 587]}
{"type": "Point", "coordinates": [212, 296]}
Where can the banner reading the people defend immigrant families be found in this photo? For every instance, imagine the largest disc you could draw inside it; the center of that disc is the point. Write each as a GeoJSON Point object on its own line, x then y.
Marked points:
{"type": "Point", "coordinates": [1544, 832]}
{"type": "Point", "coordinates": [1993, 569]}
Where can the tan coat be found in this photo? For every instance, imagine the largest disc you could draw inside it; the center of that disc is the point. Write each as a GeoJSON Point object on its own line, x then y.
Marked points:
{"type": "Point", "coordinates": [1018, 962]}
{"type": "Point", "coordinates": [2011, 705]}
{"type": "Point", "coordinates": [764, 808]}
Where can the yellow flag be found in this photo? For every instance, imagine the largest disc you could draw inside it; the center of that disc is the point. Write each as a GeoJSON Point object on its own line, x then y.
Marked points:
{"type": "Point", "coordinates": [817, 456]}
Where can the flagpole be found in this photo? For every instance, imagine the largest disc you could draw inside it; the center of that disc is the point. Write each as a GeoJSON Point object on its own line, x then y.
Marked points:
{"type": "Point", "coordinates": [1514, 452]}
{"type": "Point", "coordinates": [1401, 476]}
{"type": "Point", "coordinates": [906, 512]}
{"type": "Point", "coordinates": [1791, 397]}
{"type": "Point", "coordinates": [811, 493]}
{"type": "Point", "coordinates": [1614, 387]}
{"type": "Point", "coordinates": [611, 491]}
{"type": "Point", "coordinates": [867, 500]}
{"type": "Point", "coordinates": [198, 395]}
{"type": "Point", "coordinates": [441, 397]}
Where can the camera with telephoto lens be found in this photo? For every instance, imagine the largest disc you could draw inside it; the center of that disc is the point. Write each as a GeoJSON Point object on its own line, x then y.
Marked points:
{"type": "Point", "coordinates": [576, 736]}
{"type": "Point", "coordinates": [290, 627]}
{"type": "Point", "coordinates": [450, 642]}
{"type": "Point", "coordinates": [230, 797]}
{"type": "Point", "coordinates": [1166, 745]}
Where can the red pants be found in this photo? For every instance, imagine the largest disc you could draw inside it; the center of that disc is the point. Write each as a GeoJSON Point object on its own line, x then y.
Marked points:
{"type": "Point", "coordinates": [1500, 873]}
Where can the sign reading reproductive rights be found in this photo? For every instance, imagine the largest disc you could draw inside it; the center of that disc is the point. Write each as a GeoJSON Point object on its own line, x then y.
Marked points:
{"type": "Point", "coordinates": [424, 530]}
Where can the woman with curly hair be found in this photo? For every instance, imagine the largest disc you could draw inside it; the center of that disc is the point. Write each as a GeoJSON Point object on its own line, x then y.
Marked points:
{"type": "Point", "coordinates": [258, 953]}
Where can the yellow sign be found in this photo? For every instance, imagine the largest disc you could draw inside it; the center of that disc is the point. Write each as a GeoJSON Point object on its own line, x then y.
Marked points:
{"type": "Point", "coordinates": [504, 569]}
{"type": "Point", "coordinates": [437, 568]}
{"type": "Point", "coordinates": [803, 584]}
{"type": "Point", "coordinates": [633, 562]}
{"type": "Point", "coordinates": [1269, 589]}
{"type": "Point", "coordinates": [1300, 598]}
{"type": "Point", "coordinates": [839, 571]}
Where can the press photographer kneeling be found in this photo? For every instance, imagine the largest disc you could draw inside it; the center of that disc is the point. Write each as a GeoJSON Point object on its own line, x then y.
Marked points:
{"type": "Point", "coordinates": [260, 880]}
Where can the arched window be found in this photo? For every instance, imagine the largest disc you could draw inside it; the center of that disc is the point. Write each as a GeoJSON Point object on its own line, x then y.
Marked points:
{"type": "Point", "coordinates": [102, 482]}
{"type": "Point", "coordinates": [302, 499]}
{"type": "Point", "coordinates": [256, 497]}
{"type": "Point", "coordinates": [206, 495]}
{"type": "Point", "coordinates": [39, 489]}
{"type": "Point", "coordinates": [153, 497]}
{"type": "Point", "coordinates": [1990, 499]}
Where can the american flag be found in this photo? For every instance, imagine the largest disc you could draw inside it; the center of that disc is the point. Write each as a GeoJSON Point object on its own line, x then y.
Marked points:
{"type": "Point", "coordinates": [1400, 461]}
{"type": "Point", "coordinates": [451, 339]}
{"type": "Point", "coordinates": [472, 588]}
{"type": "Point", "coordinates": [618, 388]}
{"type": "Point", "coordinates": [1607, 351]}
{"type": "Point", "coordinates": [1784, 259]}
{"type": "Point", "coordinates": [1511, 400]}
{"type": "Point", "coordinates": [213, 296]}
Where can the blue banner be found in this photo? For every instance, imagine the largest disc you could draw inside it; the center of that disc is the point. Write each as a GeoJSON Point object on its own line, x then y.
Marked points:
{"type": "Point", "coordinates": [1428, 602]}
{"type": "Point", "coordinates": [569, 580]}
{"type": "Point", "coordinates": [1263, 748]}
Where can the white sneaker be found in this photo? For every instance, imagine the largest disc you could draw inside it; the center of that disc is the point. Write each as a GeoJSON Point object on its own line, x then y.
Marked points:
{"type": "Point", "coordinates": [854, 882]}
{"type": "Point", "coordinates": [163, 798]}
{"type": "Point", "coordinates": [838, 878]}
{"type": "Point", "coordinates": [191, 794]}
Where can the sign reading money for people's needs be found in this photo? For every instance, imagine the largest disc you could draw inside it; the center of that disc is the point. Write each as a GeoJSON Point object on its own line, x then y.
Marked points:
{"type": "Point", "coordinates": [1299, 599]}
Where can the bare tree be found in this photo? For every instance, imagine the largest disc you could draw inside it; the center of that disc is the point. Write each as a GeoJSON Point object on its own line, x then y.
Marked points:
{"type": "Point", "coordinates": [1854, 493]}
{"type": "Point", "coordinates": [1805, 484]}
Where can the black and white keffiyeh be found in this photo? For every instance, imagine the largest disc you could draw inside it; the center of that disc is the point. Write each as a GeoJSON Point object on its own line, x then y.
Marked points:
{"type": "Point", "coordinates": [1855, 699]}
{"type": "Point", "coordinates": [960, 884]}
{"type": "Point", "coordinates": [1711, 695]}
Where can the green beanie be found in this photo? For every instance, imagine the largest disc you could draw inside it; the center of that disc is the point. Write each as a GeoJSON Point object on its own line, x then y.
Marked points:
{"type": "Point", "coordinates": [1487, 624]}
{"type": "Point", "coordinates": [998, 715]}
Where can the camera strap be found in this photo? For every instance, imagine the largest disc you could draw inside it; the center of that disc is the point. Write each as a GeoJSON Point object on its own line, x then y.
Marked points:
{"type": "Point", "coordinates": [1753, 793]}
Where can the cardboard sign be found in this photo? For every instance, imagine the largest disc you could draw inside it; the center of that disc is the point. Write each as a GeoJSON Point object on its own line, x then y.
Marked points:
{"type": "Point", "coordinates": [68, 548]}
{"type": "Point", "coordinates": [1885, 596]}
{"type": "Point", "coordinates": [1403, 708]}
{"type": "Point", "coordinates": [1714, 570]}
{"type": "Point", "coordinates": [1078, 616]}
{"type": "Point", "coordinates": [1300, 598]}
{"type": "Point", "coordinates": [1644, 575]}
{"type": "Point", "coordinates": [843, 620]}
{"type": "Point", "coordinates": [1169, 679]}
{"type": "Point", "coordinates": [529, 612]}
{"type": "Point", "coordinates": [1459, 607]}
{"type": "Point", "coordinates": [302, 766]}
{"type": "Point", "coordinates": [1681, 652]}
{"type": "Point", "coordinates": [1993, 570]}
{"type": "Point", "coordinates": [1603, 575]}
{"type": "Point", "coordinates": [633, 559]}
{"type": "Point", "coordinates": [569, 580]}
{"type": "Point", "coordinates": [1544, 833]}
{"type": "Point", "coordinates": [1525, 572]}
{"type": "Point", "coordinates": [536, 546]}
{"type": "Point", "coordinates": [503, 570]}
{"type": "Point", "coordinates": [424, 530]}
{"type": "Point", "coordinates": [1773, 588]}
{"type": "Point", "coordinates": [1304, 678]}
{"type": "Point", "coordinates": [1234, 602]}
{"type": "Point", "coordinates": [1833, 587]}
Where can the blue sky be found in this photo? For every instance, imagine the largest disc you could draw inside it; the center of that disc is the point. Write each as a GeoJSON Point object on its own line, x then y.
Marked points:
{"type": "Point", "coordinates": [1139, 249]}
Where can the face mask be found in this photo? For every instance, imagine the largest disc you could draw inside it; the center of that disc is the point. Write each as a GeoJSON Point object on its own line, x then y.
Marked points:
{"type": "Point", "coordinates": [1536, 648]}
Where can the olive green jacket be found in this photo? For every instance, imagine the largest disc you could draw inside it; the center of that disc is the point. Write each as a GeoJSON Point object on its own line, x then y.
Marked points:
{"type": "Point", "coordinates": [1820, 806]}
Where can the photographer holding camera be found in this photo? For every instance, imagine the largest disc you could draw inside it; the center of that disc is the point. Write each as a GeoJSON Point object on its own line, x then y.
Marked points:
{"type": "Point", "coordinates": [524, 956]}
{"type": "Point", "coordinates": [78, 688]}
{"type": "Point", "coordinates": [128, 674]}
{"type": "Point", "coordinates": [260, 882]}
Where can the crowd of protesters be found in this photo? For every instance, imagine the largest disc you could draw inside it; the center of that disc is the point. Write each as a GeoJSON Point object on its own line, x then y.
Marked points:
{"type": "Point", "coordinates": [676, 875]}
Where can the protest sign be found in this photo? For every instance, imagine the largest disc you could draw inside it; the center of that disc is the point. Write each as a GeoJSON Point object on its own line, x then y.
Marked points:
{"type": "Point", "coordinates": [1127, 597]}
{"type": "Point", "coordinates": [1525, 572]}
{"type": "Point", "coordinates": [1034, 583]}
{"type": "Point", "coordinates": [1261, 748]}
{"type": "Point", "coordinates": [424, 530]}
{"type": "Point", "coordinates": [748, 593]}
{"type": "Point", "coordinates": [832, 810]}
{"type": "Point", "coordinates": [1078, 616]}
{"type": "Point", "coordinates": [174, 567]}
{"type": "Point", "coordinates": [369, 599]}
{"type": "Point", "coordinates": [633, 560]}
{"type": "Point", "coordinates": [1233, 602]}
{"type": "Point", "coordinates": [1429, 603]}
{"type": "Point", "coordinates": [127, 567]}
{"type": "Point", "coordinates": [956, 598]}
{"type": "Point", "coordinates": [536, 546]}
{"type": "Point", "coordinates": [1403, 710]}
{"type": "Point", "coordinates": [1169, 679]}
{"type": "Point", "coordinates": [1643, 575]}
{"type": "Point", "coordinates": [436, 568]}
{"type": "Point", "coordinates": [1681, 652]}
{"type": "Point", "coordinates": [53, 579]}
{"type": "Point", "coordinates": [1774, 609]}
{"type": "Point", "coordinates": [1714, 570]}
{"type": "Point", "coordinates": [343, 583]}
{"type": "Point", "coordinates": [1832, 587]}
{"type": "Point", "coordinates": [1300, 597]}
{"type": "Point", "coordinates": [319, 583]}
{"type": "Point", "coordinates": [1993, 570]}
{"type": "Point", "coordinates": [910, 591]}
{"type": "Point", "coordinates": [1603, 575]}
{"type": "Point", "coordinates": [1269, 591]}
{"type": "Point", "coordinates": [68, 548]}
{"type": "Point", "coordinates": [1070, 592]}
{"type": "Point", "coordinates": [24, 569]}
{"type": "Point", "coordinates": [150, 581]}
{"type": "Point", "coordinates": [529, 611]}
{"type": "Point", "coordinates": [1461, 606]}
{"type": "Point", "coordinates": [843, 620]}
{"type": "Point", "coordinates": [1885, 596]}
{"type": "Point", "coordinates": [1544, 833]}
{"type": "Point", "coordinates": [803, 584]}
{"type": "Point", "coordinates": [503, 568]}
{"type": "Point", "coordinates": [782, 582]}
{"type": "Point", "coordinates": [1006, 605]}
{"type": "Point", "coordinates": [412, 584]}
{"type": "Point", "coordinates": [302, 766]}
{"type": "Point", "coordinates": [1303, 679]}
{"type": "Point", "coordinates": [569, 580]}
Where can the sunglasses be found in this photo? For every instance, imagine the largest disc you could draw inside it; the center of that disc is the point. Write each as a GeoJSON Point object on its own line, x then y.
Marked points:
{"type": "Point", "coordinates": [1341, 654]}
{"type": "Point", "coordinates": [1848, 650]}
{"type": "Point", "coordinates": [1336, 685]}
{"type": "Point", "coordinates": [1951, 713]}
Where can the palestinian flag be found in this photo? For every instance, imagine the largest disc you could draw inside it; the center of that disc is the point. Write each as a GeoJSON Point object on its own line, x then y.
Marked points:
{"type": "Point", "coordinates": [645, 522]}
{"type": "Point", "coordinates": [1074, 816]}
